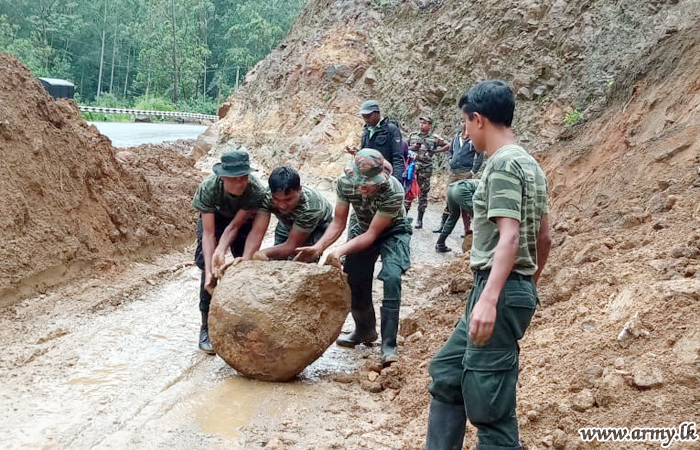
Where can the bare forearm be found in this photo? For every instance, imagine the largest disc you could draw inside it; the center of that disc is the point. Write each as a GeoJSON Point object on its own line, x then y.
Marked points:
{"type": "Point", "coordinates": [208, 247]}
{"type": "Point", "coordinates": [356, 244]}
{"type": "Point", "coordinates": [252, 243]}
{"type": "Point", "coordinates": [333, 232]}
{"type": "Point", "coordinates": [543, 247]}
{"type": "Point", "coordinates": [281, 251]}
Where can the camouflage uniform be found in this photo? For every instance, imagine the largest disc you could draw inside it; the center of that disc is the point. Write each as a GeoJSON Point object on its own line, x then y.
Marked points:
{"type": "Point", "coordinates": [311, 216]}
{"type": "Point", "coordinates": [429, 143]}
{"type": "Point", "coordinates": [211, 198]}
{"type": "Point", "coordinates": [484, 379]}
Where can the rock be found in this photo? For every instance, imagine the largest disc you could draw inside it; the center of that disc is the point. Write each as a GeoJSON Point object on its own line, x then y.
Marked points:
{"type": "Point", "coordinates": [548, 440]}
{"type": "Point", "coordinates": [408, 326]}
{"type": "Point", "coordinates": [610, 388]}
{"type": "Point", "coordinates": [559, 439]}
{"type": "Point", "coordinates": [372, 376]}
{"type": "Point", "coordinates": [417, 336]}
{"type": "Point", "coordinates": [594, 372]}
{"type": "Point", "coordinates": [647, 379]}
{"type": "Point", "coordinates": [344, 378]}
{"type": "Point", "coordinates": [659, 226]}
{"type": "Point", "coordinates": [593, 251]}
{"type": "Point", "coordinates": [269, 320]}
{"type": "Point", "coordinates": [524, 94]}
{"type": "Point", "coordinates": [583, 401]}
{"type": "Point", "coordinates": [539, 91]}
{"type": "Point", "coordinates": [392, 377]}
{"type": "Point", "coordinates": [370, 78]}
{"type": "Point", "coordinates": [632, 330]}
{"type": "Point", "coordinates": [460, 284]}
{"type": "Point", "coordinates": [532, 415]}
{"type": "Point", "coordinates": [371, 386]}
{"type": "Point", "coordinates": [619, 363]}
{"type": "Point", "coordinates": [685, 252]}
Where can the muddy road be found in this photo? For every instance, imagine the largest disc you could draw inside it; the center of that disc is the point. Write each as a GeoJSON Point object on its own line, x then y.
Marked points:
{"type": "Point", "coordinates": [113, 363]}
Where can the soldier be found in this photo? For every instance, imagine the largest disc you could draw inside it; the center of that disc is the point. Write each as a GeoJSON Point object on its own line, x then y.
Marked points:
{"type": "Point", "coordinates": [382, 135]}
{"type": "Point", "coordinates": [425, 145]}
{"type": "Point", "coordinates": [303, 215]}
{"type": "Point", "coordinates": [475, 374]}
{"type": "Point", "coordinates": [459, 202]}
{"type": "Point", "coordinates": [378, 226]}
{"type": "Point", "coordinates": [227, 202]}
{"type": "Point", "coordinates": [464, 164]}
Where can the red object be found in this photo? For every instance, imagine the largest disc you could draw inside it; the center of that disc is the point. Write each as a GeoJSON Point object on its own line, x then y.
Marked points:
{"type": "Point", "coordinates": [414, 192]}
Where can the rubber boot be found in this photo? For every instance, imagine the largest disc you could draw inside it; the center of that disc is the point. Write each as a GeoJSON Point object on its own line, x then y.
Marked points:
{"type": "Point", "coordinates": [204, 344]}
{"type": "Point", "coordinates": [419, 221]}
{"type": "Point", "coordinates": [446, 424]}
{"type": "Point", "coordinates": [390, 327]}
{"type": "Point", "coordinates": [440, 246]}
{"type": "Point", "coordinates": [442, 222]}
{"type": "Point", "coordinates": [365, 329]}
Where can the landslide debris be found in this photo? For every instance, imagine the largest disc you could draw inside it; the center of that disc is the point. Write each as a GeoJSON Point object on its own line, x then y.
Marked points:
{"type": "Point", "coordinates": [68, 202]}
{"type": "Point", "coordinates": [269, 320]}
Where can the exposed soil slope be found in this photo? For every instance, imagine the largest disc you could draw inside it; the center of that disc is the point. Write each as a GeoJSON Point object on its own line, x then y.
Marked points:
{"type": "Point", "coordinates": [68, 202]}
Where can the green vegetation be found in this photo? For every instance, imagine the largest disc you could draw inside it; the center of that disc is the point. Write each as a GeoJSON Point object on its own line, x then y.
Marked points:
{"type": "Point", "coordinates": [573, 118]}
{"type": "Point", "coordinates": [150, 54]}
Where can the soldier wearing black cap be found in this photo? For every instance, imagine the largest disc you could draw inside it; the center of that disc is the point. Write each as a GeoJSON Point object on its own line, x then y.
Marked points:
{"type": "Point", "coordinates": [227, 202]}
{"type": "Point", "coordinates": [382, 135]}
{"type": "Point", "coordinates": [424, 145]}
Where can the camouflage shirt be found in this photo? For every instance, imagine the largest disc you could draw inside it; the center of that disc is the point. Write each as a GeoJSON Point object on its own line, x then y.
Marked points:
{"type": "Point", "coordinates": [211, 197]}
{"type": "Point", "coordinates": [513, 186]}
{"type": "Point", "coordinates": [387, 201]}
{"type": "Point", "coordinates": [429, 143]}
{"type": "Point", "coordinates": [311, 211]}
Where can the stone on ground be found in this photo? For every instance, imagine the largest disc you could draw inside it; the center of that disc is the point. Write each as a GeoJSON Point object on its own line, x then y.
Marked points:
{"type": "Point", "coordinates": [270, 320]}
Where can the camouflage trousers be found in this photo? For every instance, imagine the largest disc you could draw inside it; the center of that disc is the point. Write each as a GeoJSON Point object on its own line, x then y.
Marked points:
{"type": "Point", "coordinates": [455, 176]}
{"type": "Point", "coordinates": [423, 177]}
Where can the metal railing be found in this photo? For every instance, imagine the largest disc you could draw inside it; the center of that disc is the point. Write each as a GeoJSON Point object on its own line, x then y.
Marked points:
{"type": "Point", "coordinates": [138, 112]}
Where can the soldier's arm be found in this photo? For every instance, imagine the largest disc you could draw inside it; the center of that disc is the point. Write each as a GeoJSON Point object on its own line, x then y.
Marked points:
{"type": "Point", "coordinates": [397, 154]}
{"type": "Point", "coordinates": [333, 232]}
{"type": "Point", "coordinates": [544, 244]}
{"type": "Point", "coordinates": [287, 248]}
{"type": "Point", "coordinates": [478, 161]}
{"type": "Point", "coordinates": [256, 235]}
{"type": "Point", "coordinates": [378, 225]}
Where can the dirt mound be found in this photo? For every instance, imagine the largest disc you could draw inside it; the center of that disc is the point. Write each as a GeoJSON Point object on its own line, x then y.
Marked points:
{"type": "Point", "coordinates": [68, 203]}
{"type": "Point", "coordinates": [269, 320]}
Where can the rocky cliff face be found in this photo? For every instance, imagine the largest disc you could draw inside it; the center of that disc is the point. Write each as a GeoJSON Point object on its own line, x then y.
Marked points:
{"type": "Point", "coordinates": [300, 104]}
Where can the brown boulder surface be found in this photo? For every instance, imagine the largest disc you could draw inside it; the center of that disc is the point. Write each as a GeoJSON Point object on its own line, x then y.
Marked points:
{"type": "Point", "coordinates": [269, 320]}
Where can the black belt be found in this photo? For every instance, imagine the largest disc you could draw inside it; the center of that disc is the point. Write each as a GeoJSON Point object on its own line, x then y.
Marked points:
{"type": "Point", "coordinates": [512, 276]}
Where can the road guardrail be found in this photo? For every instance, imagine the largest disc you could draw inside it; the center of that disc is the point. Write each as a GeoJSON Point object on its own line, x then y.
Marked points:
{"type": "Point", "coordinates": [138, 112]}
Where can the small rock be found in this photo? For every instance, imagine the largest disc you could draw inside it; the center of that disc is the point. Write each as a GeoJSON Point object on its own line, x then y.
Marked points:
{"type": "Point", "coordinates": [532, 415]}
{"type": "Point", "coordinates": [343, 377]}
{"type": "Point", "coordinates": [583, 401]}
{"type": "Point", "coordinates": [548, 440]}
{"type": "Point", "coordinates": [559, 439]}
{"type": "Point", "coordinates": [371, 386]}
{"type": "Point", "coordinates": [524, 94]}
{"type": "Point", "coordinates": [619, 363]}
{"type": "Point", "coordinates": [539, 91]}
{"type": "Point", "coordinates": [274, 444]}
{"type": "Point", "coordinates": [372, 376]}
{"type": "Point", "coordinates": [417, 336]}
{"type": "Point", "coordinates": [594, 372]}
{"type": "Point", "coordinates": [663, 184]}
{"type": "Point", "coordinates": [459, 284]}
{"type": "Point", "coordinates": [632, 330]}
{"type": "Point", "coordinates": [647, 379]}
{"type": "Point", "coordinates": [610, 388]}
{"type": "Point", "coordinates": [150, 282]}
{"type": "Point", "coordinates": [400, 339]}
{"type": "Point", "coordinates": [588, 325]}
{"type": "Point", "coordinates": [659, 226]}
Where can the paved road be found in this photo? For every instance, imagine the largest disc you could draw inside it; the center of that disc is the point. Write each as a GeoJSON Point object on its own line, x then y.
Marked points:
{"type": "Point", "coordinates": [127, 134]}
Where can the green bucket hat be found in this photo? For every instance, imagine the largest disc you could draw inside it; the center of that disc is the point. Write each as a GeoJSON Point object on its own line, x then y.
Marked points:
{"type": "Point", "coordinates": [234, 164]}
{"type": "Point", "coordinates": [369, 168]}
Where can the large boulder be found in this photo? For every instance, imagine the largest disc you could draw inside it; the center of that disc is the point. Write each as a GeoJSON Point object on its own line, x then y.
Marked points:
{"type": "Point", "coordinates": [271, 319]}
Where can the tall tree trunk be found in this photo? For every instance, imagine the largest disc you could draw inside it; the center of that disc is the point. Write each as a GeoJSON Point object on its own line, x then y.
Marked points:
{"type": "Point", "coordinates": [174, 23]}
{"type": "Point", "coordinates": [128, 66]}
{"type": "Point", "coordinates": [102, 53]}
{"type": "Point", "coordinates": [114, 54]}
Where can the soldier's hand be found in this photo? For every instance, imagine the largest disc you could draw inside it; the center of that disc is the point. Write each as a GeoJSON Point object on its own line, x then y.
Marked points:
{"type": "Point", "coordinates": [482, 319]}
{"type": "Point", "coordinates": [308, 254]}
{"type": "Point", "coordinates": [352, 150]}
{"type": "Point", "coordinates": [209, 283]}
{"type": "Point", "coordinates": [332, 260]}
{"type": "Point", "coordinates": [260, 256]}
{"type": "Point", "coordinates": [217, 262]}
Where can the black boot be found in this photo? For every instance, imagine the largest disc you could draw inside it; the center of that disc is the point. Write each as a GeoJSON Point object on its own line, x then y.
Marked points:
{"type": "Point", "coordinates": [365, 329]}
{"type": "Point", "coordinates": [204, 344]}
{"type": "Point", "coordinates": [390, 327]}
{"type": "Point", "coordinates": [440, 246]}
{"type": "Point", "coordinates": [446, 425]}
{"type": "Point", "coordinates": [442, 222]}
{"type": "Point", "coordinates": [419, 221]}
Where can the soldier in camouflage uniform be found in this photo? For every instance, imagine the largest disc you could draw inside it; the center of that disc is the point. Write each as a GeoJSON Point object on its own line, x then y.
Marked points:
{"type": "Point", "coordinates": [425, 145]}
{"type": "Point", "coordinates": [302, 212]}
{"type": "Point", "coordinates": [377, 227]}
{"type": "Point", "coordinates": [475, 374]}
{"type": "Point", "coordinates": [227, 202]}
